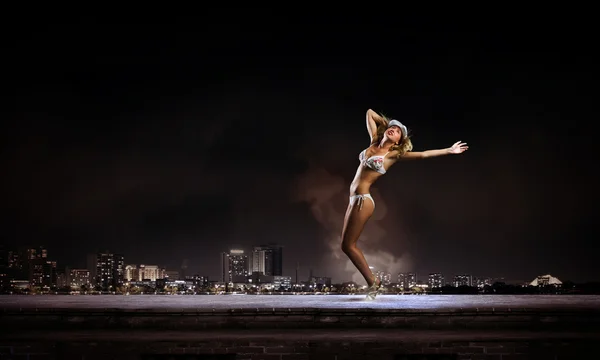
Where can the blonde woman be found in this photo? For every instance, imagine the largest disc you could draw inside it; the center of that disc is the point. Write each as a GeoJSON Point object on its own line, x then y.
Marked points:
{"type": "Point", "coordinates": [390, 143]}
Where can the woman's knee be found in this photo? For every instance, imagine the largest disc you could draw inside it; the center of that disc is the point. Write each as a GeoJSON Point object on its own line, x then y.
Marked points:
{"type": "Point", "coordinates": [347, 248]}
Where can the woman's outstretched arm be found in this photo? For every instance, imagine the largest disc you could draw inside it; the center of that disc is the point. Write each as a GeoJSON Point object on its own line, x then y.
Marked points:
{"type": "Point", "coordinates": [457, 148]}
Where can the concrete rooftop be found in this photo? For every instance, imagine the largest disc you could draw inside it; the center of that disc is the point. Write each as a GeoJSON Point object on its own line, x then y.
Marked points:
{"type": "Point", "coordinates": [301, 302]}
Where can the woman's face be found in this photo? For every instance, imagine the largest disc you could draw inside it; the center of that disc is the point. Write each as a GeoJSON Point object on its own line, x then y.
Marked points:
{"type": "Point", "coordinates": [394, 134]}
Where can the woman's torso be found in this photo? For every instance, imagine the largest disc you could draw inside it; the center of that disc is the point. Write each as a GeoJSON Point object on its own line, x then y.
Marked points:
{"type": "Point", "coordinates": [373, 164]}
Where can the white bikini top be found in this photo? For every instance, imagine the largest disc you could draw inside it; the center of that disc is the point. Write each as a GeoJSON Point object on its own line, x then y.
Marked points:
{"type": "Point", "coordinates": [375, 162]}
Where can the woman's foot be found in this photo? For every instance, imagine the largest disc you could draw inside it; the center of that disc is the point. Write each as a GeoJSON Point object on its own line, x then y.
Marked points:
{"type": "Point", "coordinates": [373, 290]}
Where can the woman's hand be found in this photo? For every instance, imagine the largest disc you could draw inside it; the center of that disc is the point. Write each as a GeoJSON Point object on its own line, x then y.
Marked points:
{"type": "Point", "coordinates": [458, 148]}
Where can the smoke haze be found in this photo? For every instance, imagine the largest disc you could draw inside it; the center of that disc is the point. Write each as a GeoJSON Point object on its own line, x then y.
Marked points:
{"type": "Point", "coordinates": [382, 242]}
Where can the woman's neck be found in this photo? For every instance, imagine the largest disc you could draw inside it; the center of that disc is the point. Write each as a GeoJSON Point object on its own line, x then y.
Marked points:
{"type": "Point", "coordinates": [385, 144]}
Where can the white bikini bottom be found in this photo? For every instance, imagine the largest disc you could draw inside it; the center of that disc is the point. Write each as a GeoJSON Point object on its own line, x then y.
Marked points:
{"type": "Point", "coordinates": [361, 199]}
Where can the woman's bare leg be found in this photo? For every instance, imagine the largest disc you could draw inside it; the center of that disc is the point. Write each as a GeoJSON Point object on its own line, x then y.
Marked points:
{"type": "Point", "coordinates": [354, 223]}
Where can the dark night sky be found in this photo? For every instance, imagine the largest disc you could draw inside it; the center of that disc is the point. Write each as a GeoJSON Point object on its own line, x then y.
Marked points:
{"type": "Point", "coordinates": [178, 141]}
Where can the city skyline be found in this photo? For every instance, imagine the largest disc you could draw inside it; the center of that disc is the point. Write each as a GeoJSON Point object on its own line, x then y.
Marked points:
{"type": "Point", "coordinates": [421, 277]}
{"type": "Point", "coordinates": [168, 143]}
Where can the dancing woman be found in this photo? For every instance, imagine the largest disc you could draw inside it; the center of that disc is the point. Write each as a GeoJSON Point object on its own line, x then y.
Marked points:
{"type": "Point", "coordinates": [389, 143]}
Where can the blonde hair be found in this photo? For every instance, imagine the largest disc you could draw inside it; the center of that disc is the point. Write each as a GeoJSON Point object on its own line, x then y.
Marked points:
{"type": "Point", "coordinates": [405, 144]}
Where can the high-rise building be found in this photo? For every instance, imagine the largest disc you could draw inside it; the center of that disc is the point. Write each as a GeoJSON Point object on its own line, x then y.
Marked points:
{"type": "Point", "coordinates": [27, 264]}
{"type": "Point", "coordinates": [42, 273]}
{"type": "Point", "coordinates": [268, 260]}
{"type": "Point", "coordinates": [20, 263]}
{"type": "Point", "coordinates": [435, 280]}
{"type": "Point", "coordinates": [92, 266]}
{"type": "Point", "coordinates": [170, 274]}
{"type": "Point", "coordinates": [144, 272]}
{"type": "Point", "coordinates": [110, 271]}
{"type": "Point", "coordinates": [149, 272]}
{"type": "Point", "coordinates": [234, 266]}
{"type": "Point", "coordinates": [79, 278]}
{"type": "Point", "coordinates": [482, 282]}
{"type": "Point", "coordinates": [198, 281]}
{"type": "Point", "coordinates": [131, 273]}
{"type": "Point", "coordinates": [407, 280]}
{"type": "Point", "coordinates": [463, 280]}
{"type": "Point", "coordinates": [36, 272]}
{"type": "Point", "coordinates": [183, 271]}
{"type": "Point", "coordinates": [37, 253]}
